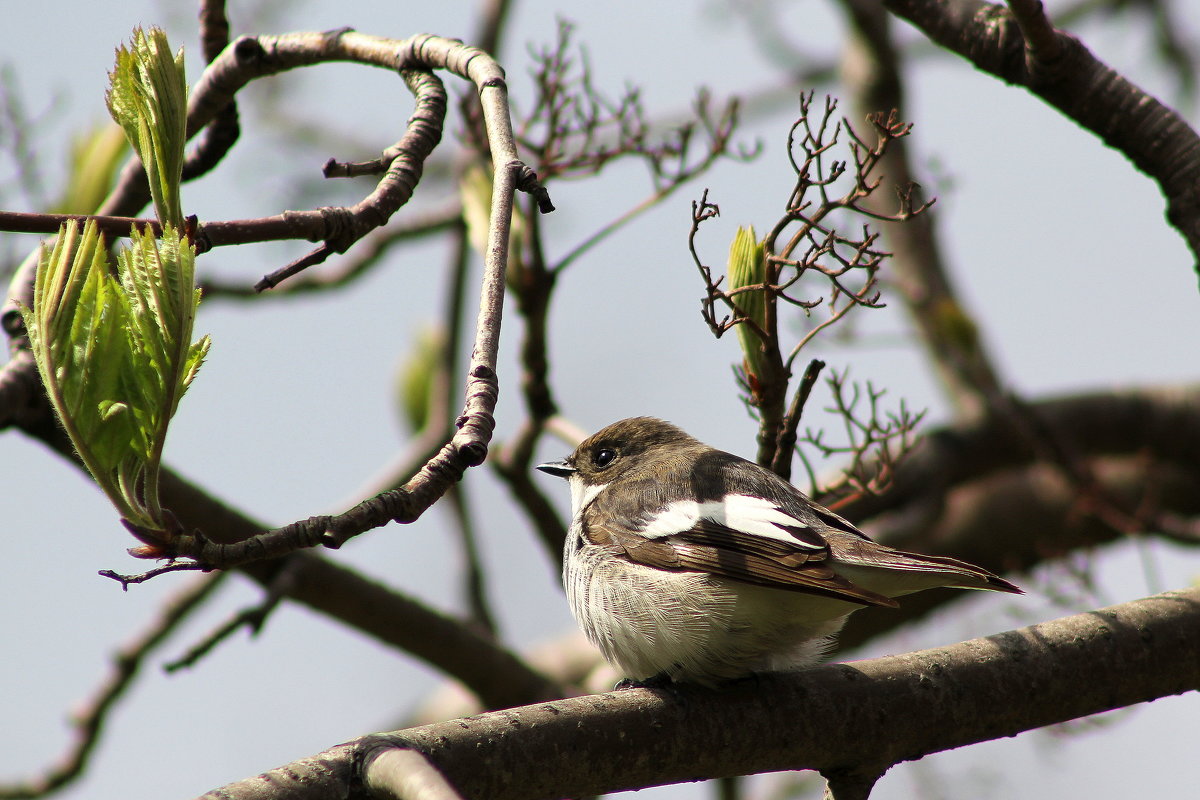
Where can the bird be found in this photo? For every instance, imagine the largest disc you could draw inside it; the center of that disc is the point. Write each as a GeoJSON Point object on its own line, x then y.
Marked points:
{"type": "Point", "coordinates": [687, 564]}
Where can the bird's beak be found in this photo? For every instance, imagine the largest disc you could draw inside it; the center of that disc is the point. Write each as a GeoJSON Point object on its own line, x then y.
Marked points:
{"type": "Point", "coordinates": [560, 469]}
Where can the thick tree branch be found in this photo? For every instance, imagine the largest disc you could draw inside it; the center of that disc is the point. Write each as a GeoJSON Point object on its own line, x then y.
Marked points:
{"type": "Point", "coordinates": [976, 492]}
{"type": "Point", "coordinates": [222, 132]}
{"type": "Point", "coordinates": [1162, 424]}
{"type": "Point", "coordinates": [1066, 75]}
{"type": "Point", "coordinates": [894, 709]}
{"type": "Point", "coordinates": [20, 390]}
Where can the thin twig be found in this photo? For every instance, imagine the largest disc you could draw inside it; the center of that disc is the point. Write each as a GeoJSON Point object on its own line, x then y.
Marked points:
{"type": "Point", "coordinates": [142, 577]}
{"type": "Point", "coordinates": [282, 584]}
{"type": "Point", "coordinates": [805, 248]}
{"type": "Point", "coordinates": [112, 227]}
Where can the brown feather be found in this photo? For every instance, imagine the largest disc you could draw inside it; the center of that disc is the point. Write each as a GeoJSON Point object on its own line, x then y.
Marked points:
{"type": "Point", "coordinates": [724, 552]}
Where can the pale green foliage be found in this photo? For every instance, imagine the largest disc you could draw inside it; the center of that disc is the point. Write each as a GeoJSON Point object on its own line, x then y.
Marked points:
{"type": "Point", "coordinates": [116, 355]}
{"type": "Point", "coordinates": [415, 379]}
{"type": "Point", "coordinates": [148, 98]}
{"type": "Point", "coordinates": [114, 346]}
{"type": "Point", "coordinates": [748, 267]}
{"type": "Point", "coordinates": [475, 188]}
{"type": "Point", "coordinates": [157, 276]}
{"type": "Point", "coordinates": [95, 158]}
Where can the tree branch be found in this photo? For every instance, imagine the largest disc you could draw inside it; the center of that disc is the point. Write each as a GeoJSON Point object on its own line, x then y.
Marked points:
{"type": "Point", "coordinates": [252, 57]}
{"type": "Point", "coordinates": [222, 132]}
{"type": "Point", "coordinates": [1154, 137]}
{"type": "Point", "coordinates": [976, 492]}
{"type": "Point", "coordinates": [396, 774]}
{"type": "Point", "coordinates": [895, 709]}
{"type": "Point", "coordinates": [498, 677]}
{"type": "Point", "coordinates": [367, 254]}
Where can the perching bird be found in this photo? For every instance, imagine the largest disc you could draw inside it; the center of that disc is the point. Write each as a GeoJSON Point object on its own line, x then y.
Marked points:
{"type": "Point", "coordinates": [687, 562]}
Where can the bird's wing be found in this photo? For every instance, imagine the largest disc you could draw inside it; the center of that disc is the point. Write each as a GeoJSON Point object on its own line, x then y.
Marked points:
{"type": "Point", "coordinates": [740, 537]}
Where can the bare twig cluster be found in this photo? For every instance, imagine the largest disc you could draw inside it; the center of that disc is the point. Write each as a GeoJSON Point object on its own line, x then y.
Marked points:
{"type": "Point", "coordinates": [812, 263]}
{"type": "Point", "coordinates": [574, 129]}
{"type": "Point", "coordinates": [874, 439]}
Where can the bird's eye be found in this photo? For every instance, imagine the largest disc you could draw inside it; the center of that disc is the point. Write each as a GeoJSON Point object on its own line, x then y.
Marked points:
{"type": "Point", "coordinates": [604, 457]}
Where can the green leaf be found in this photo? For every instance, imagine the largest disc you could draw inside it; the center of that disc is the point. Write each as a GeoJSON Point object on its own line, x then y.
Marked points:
{"type": "Point", "coordinates": [748, 268]}
{"type": "Point", "coordinates": [116, 354]}
{"type": "Point", "coordinates": [157, 276]}
{"type": "Point", "coordinates": [77, 332]}
{"type": "Point", "coordinates": [148, 99]}
{"type": "Point", "coordinates": [113, 346]}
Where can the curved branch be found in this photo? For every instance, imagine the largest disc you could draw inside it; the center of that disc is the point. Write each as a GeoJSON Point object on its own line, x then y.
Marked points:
{"type": "Point", "coordinates": [251, 57]}
{"type": "Point", "coordinates": [341, 227]}
{"type": "Point", "coordinates": [468, 447]}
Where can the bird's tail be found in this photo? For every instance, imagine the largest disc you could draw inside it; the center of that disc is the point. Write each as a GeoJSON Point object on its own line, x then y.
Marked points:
{"type": "Point", "coordinates": [893, 572]}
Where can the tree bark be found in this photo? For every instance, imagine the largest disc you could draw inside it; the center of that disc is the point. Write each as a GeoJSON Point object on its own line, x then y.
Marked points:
{"type": "Point", "coordinates": [842, 719]}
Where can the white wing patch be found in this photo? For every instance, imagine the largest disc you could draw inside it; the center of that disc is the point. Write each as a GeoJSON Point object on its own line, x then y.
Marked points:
{"type": "Point", "coordinates": [752, 515]}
